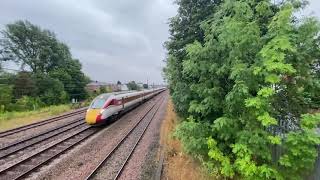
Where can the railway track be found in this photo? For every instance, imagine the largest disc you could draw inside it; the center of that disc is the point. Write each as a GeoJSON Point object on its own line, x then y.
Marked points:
{"type": "Point", "coordinates": [23, 167]}
{"type": "Point", "coordinates": [40, 123]}
{"type": "Point", "coordinates": [41, 138]}
{"type": "Point", "coordinates": [132, 137]}
{"type": "Point", "coordinates": [25, 156]}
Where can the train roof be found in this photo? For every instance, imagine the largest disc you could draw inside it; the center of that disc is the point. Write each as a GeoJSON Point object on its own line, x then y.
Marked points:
{"type": "Point", "coordinates": [123, 93]}
{"type": "Point", "coordinates": [113, 93]}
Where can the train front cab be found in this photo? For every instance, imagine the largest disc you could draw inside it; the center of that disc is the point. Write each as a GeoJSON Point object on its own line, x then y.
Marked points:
{"type": "Point", "coordinates": [94, 112]}
{"type": "Point", "coordinates": [91, 116]}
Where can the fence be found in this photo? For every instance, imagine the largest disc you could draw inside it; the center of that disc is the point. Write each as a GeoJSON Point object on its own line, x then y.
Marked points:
{"type": "Point", "coordinates": [290, 124]}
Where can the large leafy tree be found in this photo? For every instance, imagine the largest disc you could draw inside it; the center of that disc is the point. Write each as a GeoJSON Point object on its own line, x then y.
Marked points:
{"type": "Point", "coordinates": [24, 85]}
{"type": "Point", "coordinates": [31, 46]}
{"type": "Point", "coordinates": [184, 29]}
{"type": "Point", "coordinates": [40, 51]}
{"type": "Point", "coordinates": [252, 81]}
{"type": "Point", "coordinates": [50, 90]}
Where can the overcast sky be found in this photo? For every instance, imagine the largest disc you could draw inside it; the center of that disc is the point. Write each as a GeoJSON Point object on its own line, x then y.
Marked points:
{"type": "Point", "coordinates": [113, 39]}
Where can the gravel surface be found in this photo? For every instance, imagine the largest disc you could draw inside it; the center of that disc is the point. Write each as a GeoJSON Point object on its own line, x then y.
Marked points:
{"type": "Point", "coordinates": [143, 162]}
{"type": "Point", "coordinates": [26, 151]}
{"type": "Point", "coordinates": [24, 154]}
{"type": "Point", "coordinates": [47, 154]}
{"type": "Point", "coordinates": [85, 157]}
{"type": "Point", "coordinates": [39, 136]}
{"type": "Point", "coordinates": [30, 132]}
{"type": "Point", "coordinates": [114, 163]}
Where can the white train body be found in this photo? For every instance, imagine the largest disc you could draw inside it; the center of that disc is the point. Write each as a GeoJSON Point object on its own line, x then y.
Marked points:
{"type": "Point", "coordinates": [107, 105]}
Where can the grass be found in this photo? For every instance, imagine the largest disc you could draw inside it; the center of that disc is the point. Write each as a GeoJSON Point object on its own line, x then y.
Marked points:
{"type": "Point", "coordinates": [177, 165]}
{"type": "Point", "coordinates": [9, 120]}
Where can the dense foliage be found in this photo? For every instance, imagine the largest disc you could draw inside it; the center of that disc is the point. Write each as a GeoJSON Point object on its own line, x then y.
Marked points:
{"type": "Point", "coordinates": [52, 75]}
{"type": "Point", "coordinates": [185, 29]}
{"type": "Point", "coordinates": [247, 84]}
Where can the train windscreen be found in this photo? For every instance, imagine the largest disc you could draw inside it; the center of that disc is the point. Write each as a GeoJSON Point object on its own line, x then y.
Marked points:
{"type": "Point", "coordinates": [98, 103]}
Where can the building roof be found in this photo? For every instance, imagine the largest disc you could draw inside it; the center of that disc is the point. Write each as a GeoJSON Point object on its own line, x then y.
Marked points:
{"type": "Point", "coordinates": [97, 83]}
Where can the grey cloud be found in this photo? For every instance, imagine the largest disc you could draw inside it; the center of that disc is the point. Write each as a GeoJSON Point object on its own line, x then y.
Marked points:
{"type": "Point", "coordinates": [114, 40]}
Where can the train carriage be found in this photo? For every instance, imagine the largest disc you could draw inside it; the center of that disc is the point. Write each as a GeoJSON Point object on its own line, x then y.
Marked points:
{"type": "Point", "coordinates": [107, 105]}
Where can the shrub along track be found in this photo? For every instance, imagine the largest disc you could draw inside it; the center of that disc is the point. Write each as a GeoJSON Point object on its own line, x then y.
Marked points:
{"type": "Point", "coordinates": [114, 162]}
{"type": "Point", "coordinates": [40, 123]}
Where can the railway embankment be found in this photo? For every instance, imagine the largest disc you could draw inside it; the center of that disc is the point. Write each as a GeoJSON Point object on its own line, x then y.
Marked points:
{"type": "Point", "coordinates": [176, 163]}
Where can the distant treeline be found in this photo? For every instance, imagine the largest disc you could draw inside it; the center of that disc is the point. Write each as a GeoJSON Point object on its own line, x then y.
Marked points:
{"type": "Point", "coordinates": [47, 74]}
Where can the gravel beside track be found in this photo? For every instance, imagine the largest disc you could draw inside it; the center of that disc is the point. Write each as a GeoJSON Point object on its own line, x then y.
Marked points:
{"type": "Point", "coordinates": [24, 147]}
{"type": "Point", "coordinates": [78, 163]}
{"type": "Point", "coordinates": [36, 136]}
{"type": "Point", "coordinates": [111, 167]}
{"type": "Point", "coordinates": [10, 136]}
{"type": "Point", "coordinates": [144, 160]}
{"type": "Point", "coordinates": [23, 167]}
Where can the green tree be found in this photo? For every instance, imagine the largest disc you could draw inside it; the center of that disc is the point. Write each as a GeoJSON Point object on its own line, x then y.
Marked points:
{"type": "Point", "coordinates": [251, 81]}
{"type": "Point", "coordinates": [7, 78]}
{"type": "Point", "coordinates": [27, 103]}
{"type": "Point", "coordinates": [6, 97]}
{"type": "Point", "coordinates": [184, 29]}
{"type": "Point", "coordinates": [31, 46]}
{"type": "Point", "coordinates": [39, 50]}
{"type": "Point", "coordinates": [73, 78]}
{"type": "Point", "coordinates": [6, 90]}
{"type": "Point", "coordinates": [24, 85]}
{"type": "Point", "coordinates": [132, 85]}
{"type": "Point", "coordinates": [50, 90]}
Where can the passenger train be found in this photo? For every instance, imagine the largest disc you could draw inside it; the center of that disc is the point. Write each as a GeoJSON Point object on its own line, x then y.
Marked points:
{"type": "Point", "coordinates": [106, 106]}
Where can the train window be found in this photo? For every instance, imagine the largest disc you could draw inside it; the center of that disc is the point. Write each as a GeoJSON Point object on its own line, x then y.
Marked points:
{"type": "Point", "coordinates": [114, 102]}
{"type": "Point", "coordinates": [98, 103]}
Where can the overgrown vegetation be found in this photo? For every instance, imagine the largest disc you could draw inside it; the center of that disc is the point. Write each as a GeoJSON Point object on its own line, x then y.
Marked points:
{"type": "Point", "coordinates": [48, 74]}
{"type": "Point", "coordinates": [245, 75]}
{"type": "Point", "coordinates": [175, 157]}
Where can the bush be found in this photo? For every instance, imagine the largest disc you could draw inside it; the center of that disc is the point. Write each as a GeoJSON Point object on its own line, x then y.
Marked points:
{"type": "Point", "coordinates": [193, 136]}
{"type": "Point", "coordinates": [28, 103]}
{"type": "Point", "coordinates": [252, 80]}
{"type": "Point", "coordinates": [51, 91]}
{"type": "Point", "coordinates": [5, 97]}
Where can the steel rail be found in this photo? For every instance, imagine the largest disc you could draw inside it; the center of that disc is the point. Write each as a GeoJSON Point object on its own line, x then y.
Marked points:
{"type": "Point", "coordinates": [38, 154]}
{"type": "Point", "coordinates": [40, 123]}
{"type": "Point", "coordinates": [137, 142]}
{"type": "Point", "coordinates": [49, 149]}
{"type": "Point", "coordinates": [39, 141]}
{"type": "Point", "coordinates": [9, 145]}
{"type": "Point", "coordinates": [93, 173]}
